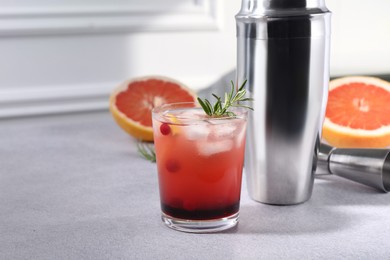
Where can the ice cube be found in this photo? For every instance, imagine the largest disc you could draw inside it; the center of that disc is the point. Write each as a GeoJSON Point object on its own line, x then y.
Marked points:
{"type": "Point", "coordinates": [224, 131]}
{"type": "Point", "coordinates": [207, 148]}
{"type": "Point", "coordinates": [223, 128]}
{"type": "Point", "coordinates": [190, 114]}
{"type": "Point", "coordinates": [197, 132]}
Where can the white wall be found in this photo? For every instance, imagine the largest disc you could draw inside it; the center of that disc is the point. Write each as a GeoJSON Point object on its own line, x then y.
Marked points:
{"type": "Point", "coordinates": [67, 55]}
{"type": "Point", "coordinates": [360, 37]}
{"type": "Point", "coordinates": [65, 58]}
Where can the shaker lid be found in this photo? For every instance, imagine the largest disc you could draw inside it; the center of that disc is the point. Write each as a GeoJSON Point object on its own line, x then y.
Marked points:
{"type": "Point", "coordinates": [280, 8]}
{"type": "Point", "coordinates": [282, 19]}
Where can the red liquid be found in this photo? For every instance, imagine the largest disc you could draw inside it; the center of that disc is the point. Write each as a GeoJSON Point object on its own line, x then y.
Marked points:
{"type": "Point", "coordinates": [196, 183]}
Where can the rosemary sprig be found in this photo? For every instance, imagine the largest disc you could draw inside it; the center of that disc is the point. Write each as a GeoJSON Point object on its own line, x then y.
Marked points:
{"type": "Point", "coordinates": [147, 151]}
{"type": "Point", "coordinates": [231, 100]}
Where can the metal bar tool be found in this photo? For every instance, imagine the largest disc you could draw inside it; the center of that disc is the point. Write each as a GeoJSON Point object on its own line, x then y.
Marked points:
{"type": "Point", "coordinates": [370, 167]}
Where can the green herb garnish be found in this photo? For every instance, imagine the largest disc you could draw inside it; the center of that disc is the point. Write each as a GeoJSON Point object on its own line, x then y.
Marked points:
{"type": "Point", "coordinates": [231, 100]}
{"type": "Point", "coordinates": [147, 151]}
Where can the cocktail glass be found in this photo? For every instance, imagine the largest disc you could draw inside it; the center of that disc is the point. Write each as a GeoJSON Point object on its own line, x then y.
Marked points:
{"type": "Point", "coordinates": [199, 161]}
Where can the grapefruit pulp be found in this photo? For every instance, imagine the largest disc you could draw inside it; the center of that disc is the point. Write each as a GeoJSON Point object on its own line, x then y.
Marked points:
{"type": "Point", "coordinates": [358, 113]}
{"type": "Point", "coordinates": [132, 101]}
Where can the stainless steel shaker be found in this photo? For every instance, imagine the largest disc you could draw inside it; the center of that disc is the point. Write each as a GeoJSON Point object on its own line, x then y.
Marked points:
{"type": "Point", "coordinates": [283, 52]}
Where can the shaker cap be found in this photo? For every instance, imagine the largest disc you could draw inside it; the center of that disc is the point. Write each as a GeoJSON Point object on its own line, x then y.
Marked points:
{"type": "Point", "coordinates": [283, 19]}
{"type": "Point", "coordinates": [281, 8]}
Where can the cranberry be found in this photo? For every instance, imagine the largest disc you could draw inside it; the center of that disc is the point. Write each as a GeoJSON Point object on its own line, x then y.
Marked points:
{"type": "Point", "coordinates": [172, 165]}
{"type": "Point", "coordinates": [165, 129]}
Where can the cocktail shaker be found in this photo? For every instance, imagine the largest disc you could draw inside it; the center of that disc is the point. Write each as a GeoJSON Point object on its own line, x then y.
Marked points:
{"type": "Point", "coordinates": [283, 53]}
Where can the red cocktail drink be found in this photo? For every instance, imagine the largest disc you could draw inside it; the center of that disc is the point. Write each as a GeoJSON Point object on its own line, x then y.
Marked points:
{"type": "Point", "coordinates": [199, 161]}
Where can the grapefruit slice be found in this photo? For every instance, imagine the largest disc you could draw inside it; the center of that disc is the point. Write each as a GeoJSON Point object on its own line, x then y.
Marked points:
{"type": "Point", "coordinates": [132, 101]}
{"type": "Point", "coordinates": [358, 113]}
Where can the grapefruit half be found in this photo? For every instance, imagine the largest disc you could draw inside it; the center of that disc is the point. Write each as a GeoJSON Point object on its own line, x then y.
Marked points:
{"type": "Point", "coordinates": [358, 113]}
{"type": "Point", "coordinates": [132, 101]}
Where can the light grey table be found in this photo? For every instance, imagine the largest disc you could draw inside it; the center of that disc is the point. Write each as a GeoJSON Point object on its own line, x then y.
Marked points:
{"type": "Point", "coordinates": [74, 187]}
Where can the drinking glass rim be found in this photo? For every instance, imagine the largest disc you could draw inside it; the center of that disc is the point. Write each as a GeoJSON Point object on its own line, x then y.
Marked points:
{"type": "Point", "coordinates": [157, 113]}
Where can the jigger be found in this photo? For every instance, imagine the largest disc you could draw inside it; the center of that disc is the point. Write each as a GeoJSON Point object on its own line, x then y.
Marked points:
{"type": "Point", "coordinates": [370, 167]}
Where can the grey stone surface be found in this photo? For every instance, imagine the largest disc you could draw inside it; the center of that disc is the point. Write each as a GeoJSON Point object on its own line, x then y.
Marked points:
{"type": "Point", "coordinates": [74, 187]}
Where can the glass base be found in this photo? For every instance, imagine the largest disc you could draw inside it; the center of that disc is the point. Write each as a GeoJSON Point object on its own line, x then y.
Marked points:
{"type": "Point", "coordinates": [200, 226]}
